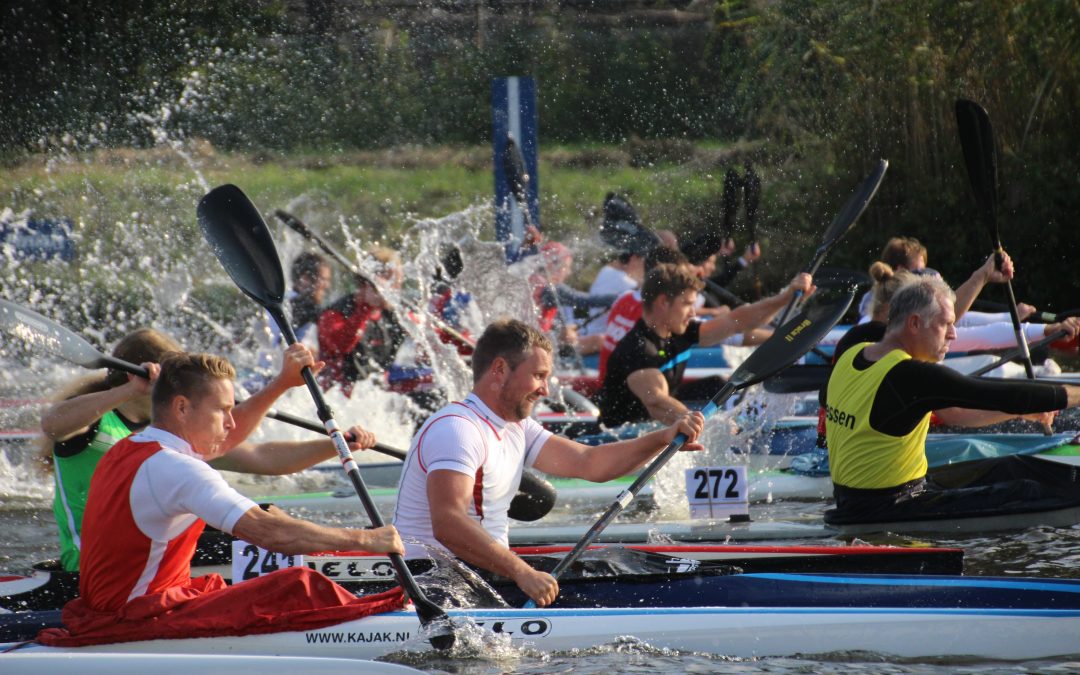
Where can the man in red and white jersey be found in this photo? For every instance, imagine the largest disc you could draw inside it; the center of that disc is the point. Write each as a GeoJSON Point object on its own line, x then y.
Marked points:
{"type": "Point", "coordinates": [465, 462]}
{"type": "Point", "coordinates": [151, 497]}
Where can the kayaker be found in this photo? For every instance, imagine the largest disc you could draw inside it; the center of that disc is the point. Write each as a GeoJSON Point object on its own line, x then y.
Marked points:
{"type": "Point", "coordinates": [645, 371]}
{"type": "Point", "coordinates": [879, 401]}
{"type": "Point", "coordinates": [465, 463]}
{"type": "Point", "coordinates": [311, 278]}
{"type": "Point", "coordinates": [621, 229]}
{"type": "Point", "coordinates": [550, 294]}
{"type": "Point", "coordinates": [151, 497]}
{"type": "Point", "coordinates": [908, 253]}
{"type": "Point", "coordinates": [97, 412]}
{"type": "Point", "coordinates": [627, 309]}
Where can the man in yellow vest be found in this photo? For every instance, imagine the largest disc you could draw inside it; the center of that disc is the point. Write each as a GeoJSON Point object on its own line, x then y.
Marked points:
{"type": "Point", "coordinates": [878, 405]}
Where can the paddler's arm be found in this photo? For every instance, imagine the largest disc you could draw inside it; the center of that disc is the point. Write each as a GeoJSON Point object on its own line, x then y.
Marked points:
{"type": "Point", "coordinates": [749, 316]}
{"type": "Point", "coordinates": [449, 493]}
{"type": "Point", "coordinates": [563, 457]}
{"type": "Point", "coordinates": [250, 413]}
{"type": "Point", "coordinates": [73, 416]}
{"type": "Point", "coordinates": [986, 274]}
{"type": "Point", "coordinates": [967, 417]}
{"type": "Point", "coordinates": [275, 530]}
{"type": "Point", "coordinates": [278, 458]}
{"type": "Point", "coordinates": [649, 385]}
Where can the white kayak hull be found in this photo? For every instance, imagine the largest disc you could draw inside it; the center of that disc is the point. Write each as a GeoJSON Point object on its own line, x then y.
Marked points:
{"type": "Point", "coordinates": [739, 631]}
{"type": "Point", "coordinates": [37, 661]}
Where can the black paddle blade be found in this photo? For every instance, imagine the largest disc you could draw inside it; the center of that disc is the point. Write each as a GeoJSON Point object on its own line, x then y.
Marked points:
{"type": "Point", "coordinates": [838, 277]}
{"type": "Point", "coordinates": [849, 215]}
{"type": "Point", "coordinates": [792, 340]}
{"type": "Point", "coordinates": [514, 168]}
{"type": "Point", "coordinates": [980, 157]}
{"type": "Point", "coordinates": [240, 240]}
{"type": "Point", "coordinates": [752, 195]}
{"type": "Point", "coordinates": [39, 332]}
{"type": "Point", "coordinates": [798, 379]}
{"type": "Point", "coordinates": [730, 199]}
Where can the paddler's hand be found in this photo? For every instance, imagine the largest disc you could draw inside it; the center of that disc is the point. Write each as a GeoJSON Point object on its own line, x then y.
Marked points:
{"type": "Point", "coordinates": [802, 283]}
{"type": "Point", "coordinates": [690, 424]}
{"type": "Point", "coordinates": [1044, 419]}
{"type": "Point", "coordinates": [383, 539]}
{"type": "Point", "coordinates": [359, 438]}
{"type": "Point", "coordinates": [296, 356]}
{"type": "Point", "coordinates": [1071, 326]}
{"type": "Point", "coordinates": [541, 587]}
{"type": "Point", "coordinates": [142, 386]}
{"type": "Point", "coordinates": [993, 275]}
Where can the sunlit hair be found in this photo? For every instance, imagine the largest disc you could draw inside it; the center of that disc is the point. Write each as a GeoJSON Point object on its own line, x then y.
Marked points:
{"type": "Point", "coordinates": [509, 339]}
{"type": "Point", "coordinates": [899, 251]}
{"type": "Point", "coordinates": [886, 282]}
{"type": "Point", "coordinates": [141, 346]}
{"type": "Point", "coordinates": [669, 281]}
{"type": "Point", "coordinates": [921, 296]}
{"type": "Point", "coordinates": [307, 264]}
{"type": "Point", "coordinates": [188, 375]}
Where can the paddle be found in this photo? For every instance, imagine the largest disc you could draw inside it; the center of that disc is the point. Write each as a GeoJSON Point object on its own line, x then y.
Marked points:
{"type": "Point", "coordinates": [977, 142]}
{"type": "Point", "coordinates": [797, 379]}
{"type": "Point", "coordinates": [980, 305]}
{"type": "Point", "coordinates": [841, 224]}
{"type": "Point", "coordinates": [535, 499]}
{"type": "Point", "coordinates": [752, 196]}
{"type": "Point", "coordinates": [239, 238]}
{"type": "Point", "coordinates": [306, 232]}
{"type": "Point", "coordinates": [786, 345]}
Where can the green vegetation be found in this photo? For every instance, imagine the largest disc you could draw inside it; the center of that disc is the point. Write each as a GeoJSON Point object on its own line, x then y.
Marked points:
{"type": "Point", "coordinates": [379, 113]}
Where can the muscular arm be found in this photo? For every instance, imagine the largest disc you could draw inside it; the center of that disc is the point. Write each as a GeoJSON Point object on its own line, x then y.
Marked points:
{"type": "Point", "coordinates": [649, 385]}
{"type": "Point", "coordinates": [912, 389]}
{"type": "Point", "coordinates": [274, 530]}
{"type": "Point", "coordinates": [73, 416]}
{"type": "Point", "coordinates": [563, 457]}
{"type": "Point", "coordinates": [750, 316]}
{"type": "Point", "coordinates": [448, 494]}
{"type": "Point", "coordinates": [277, 458]}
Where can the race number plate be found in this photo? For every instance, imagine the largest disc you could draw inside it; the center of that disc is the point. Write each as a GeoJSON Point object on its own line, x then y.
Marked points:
{"type": "Point", "coordinates": [717, 492]}
{"type": "Point", "coordinates": [250, 561]}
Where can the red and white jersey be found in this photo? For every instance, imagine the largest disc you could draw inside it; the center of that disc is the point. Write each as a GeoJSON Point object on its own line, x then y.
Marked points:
{"type": "Point", "coordinates": [624, 313]}
{"type": "Point", "coordinates": [467, 437]}
{"type": "Point", "coordinates": [150, 497]}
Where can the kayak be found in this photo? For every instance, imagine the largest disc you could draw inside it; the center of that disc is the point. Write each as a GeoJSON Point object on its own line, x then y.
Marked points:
{"type": "Point", "coordinates": [748, 632]}
{"type": "Point", "coordinates": [36, 661]}
{"type": "Point", "coordinates": [49, 587]}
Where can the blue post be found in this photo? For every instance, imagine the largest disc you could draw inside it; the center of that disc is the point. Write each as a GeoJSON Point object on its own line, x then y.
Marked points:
{"type": "Point", "coordinates": [513, 107]}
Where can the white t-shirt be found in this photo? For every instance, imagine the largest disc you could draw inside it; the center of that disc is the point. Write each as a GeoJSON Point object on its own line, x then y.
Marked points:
{"type": "Point", "coordinates": [469, 438]}
{"type": "Point", "coordinates": [175, 486]}
{"type": "Point", "coordinates": [609, 281]}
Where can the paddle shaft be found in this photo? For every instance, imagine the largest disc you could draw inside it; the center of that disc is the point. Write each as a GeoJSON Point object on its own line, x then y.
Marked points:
{"type": "Point", "coordinates": [309, 234]}
{"type": "Point", "coordinates": [427, 610]}
{"type": "Point", "coordinates": [627, 496]}
{"type": "Point", "coordinates": [993, 307]}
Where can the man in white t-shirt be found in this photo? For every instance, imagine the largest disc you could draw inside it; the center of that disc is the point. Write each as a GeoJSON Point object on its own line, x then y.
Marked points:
{"type": "Point", "coordinates": [465, 462]}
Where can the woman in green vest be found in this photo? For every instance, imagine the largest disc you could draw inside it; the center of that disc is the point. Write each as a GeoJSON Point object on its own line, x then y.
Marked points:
{"type": "Point", "coordinates": [99, 411]}
{"type": "Point", "coordinates": [88, 419]}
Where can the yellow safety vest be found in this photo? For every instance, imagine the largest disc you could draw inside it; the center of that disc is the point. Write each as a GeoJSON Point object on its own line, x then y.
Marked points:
{"type": "Point", "coordinates": [860, 456]}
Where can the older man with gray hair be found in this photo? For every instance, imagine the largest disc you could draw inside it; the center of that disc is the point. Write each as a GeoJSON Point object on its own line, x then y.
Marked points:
{"type": "Point", "coordinates": [879, 401]}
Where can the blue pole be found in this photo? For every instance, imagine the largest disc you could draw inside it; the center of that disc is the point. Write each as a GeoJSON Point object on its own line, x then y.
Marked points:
{"type": "Point", "coordinates": [513, 106]}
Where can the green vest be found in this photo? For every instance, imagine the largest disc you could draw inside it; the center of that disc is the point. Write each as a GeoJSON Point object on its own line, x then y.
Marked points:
{"type": "Point", "coordinates": [73, 475]}
{"type": "Point", "coordinates": [860, 456]}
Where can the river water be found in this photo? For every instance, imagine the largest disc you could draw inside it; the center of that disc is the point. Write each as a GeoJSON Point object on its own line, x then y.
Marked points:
{"type": "Point", "coordinates": [29, 535]}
